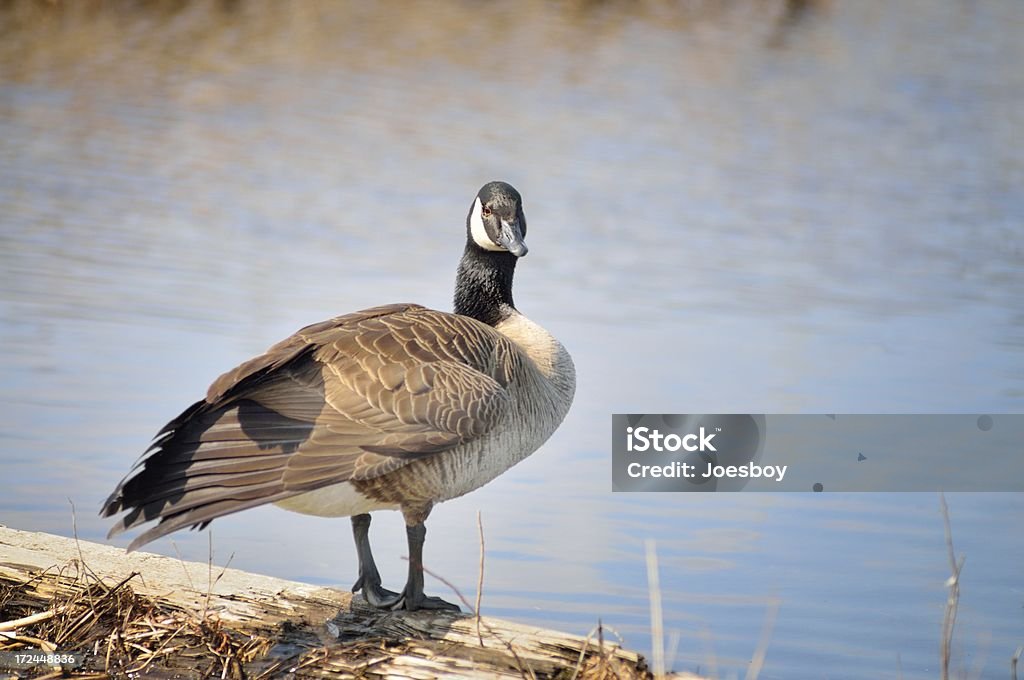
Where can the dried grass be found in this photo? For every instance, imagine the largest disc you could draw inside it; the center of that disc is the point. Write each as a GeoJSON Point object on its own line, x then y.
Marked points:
{"type": "Point", "coordinates": [121, 633]}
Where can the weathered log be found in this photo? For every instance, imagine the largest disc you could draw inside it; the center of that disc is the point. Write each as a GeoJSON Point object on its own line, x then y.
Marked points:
{"type": "Point", "coordinates": [307, 630]}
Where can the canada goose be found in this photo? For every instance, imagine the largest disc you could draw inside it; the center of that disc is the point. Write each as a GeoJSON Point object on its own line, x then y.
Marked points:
{"type": "Point", "coordinates": [395, 407]}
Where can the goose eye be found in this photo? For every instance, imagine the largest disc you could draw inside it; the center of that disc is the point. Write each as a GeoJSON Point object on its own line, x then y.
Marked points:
{"type": "Point", "coordinates": [486, 211]}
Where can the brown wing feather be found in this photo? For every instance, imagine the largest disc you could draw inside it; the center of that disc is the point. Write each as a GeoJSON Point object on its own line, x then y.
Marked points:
{"type": "Point", "coordinates": [352, 398]}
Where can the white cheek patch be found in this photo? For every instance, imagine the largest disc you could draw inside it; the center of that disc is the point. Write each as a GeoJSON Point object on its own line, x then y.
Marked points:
{"type": "Point", "coordinates": [476, 227]}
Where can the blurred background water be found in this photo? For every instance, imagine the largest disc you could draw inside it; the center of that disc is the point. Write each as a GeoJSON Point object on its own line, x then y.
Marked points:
{"type": "Point", "coordinates": [736, 206]}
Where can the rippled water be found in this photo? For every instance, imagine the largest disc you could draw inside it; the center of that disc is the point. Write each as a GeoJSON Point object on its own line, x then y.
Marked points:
{"type": "Point", "coordinates": [731, 209]}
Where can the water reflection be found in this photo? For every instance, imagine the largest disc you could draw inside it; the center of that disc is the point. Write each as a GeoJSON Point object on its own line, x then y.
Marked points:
{"type": "Point", "coordinates": [799, 206]}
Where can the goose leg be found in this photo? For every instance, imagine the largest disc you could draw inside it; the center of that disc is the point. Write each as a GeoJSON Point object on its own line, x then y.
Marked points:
{"type": "Point", "coordinates": [412, 596]}
{"type": "Point", "coordinates": [369, 577]}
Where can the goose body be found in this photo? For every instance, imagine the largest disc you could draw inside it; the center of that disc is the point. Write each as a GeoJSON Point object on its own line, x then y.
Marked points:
{"type": "Point", "coordinates": [528, 411]}
{"type": "Point", "coordinates": [396, 407]}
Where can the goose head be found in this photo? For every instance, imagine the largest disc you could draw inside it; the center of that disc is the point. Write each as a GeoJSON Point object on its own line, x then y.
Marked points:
{"type": "Point", "coordinates": [496, 221]}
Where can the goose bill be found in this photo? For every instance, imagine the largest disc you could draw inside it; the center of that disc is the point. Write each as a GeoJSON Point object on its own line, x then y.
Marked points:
{"type": "Point", "coordinates": [511, 238]}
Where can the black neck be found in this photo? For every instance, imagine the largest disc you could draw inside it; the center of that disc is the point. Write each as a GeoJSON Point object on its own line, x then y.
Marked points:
{"type": "Point", "coordinates": [483, 286]}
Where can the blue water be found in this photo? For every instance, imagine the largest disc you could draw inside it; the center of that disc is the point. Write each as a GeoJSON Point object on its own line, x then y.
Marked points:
{"type": "Point", "coordinates": [729, 212]}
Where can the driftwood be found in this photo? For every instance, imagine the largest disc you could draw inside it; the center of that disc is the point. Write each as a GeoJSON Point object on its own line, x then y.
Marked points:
{"type": "Point", "coordinates": [274, 627]}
